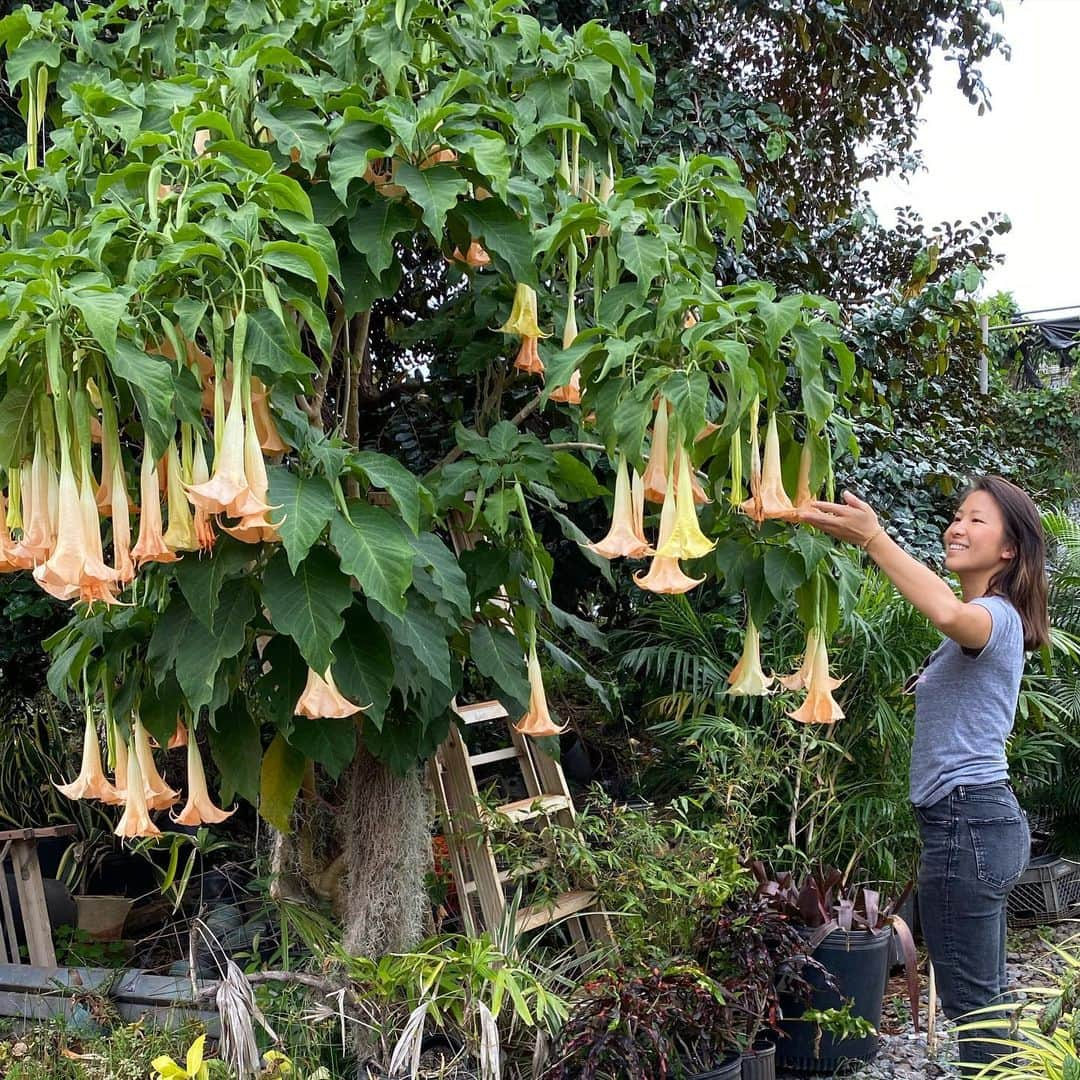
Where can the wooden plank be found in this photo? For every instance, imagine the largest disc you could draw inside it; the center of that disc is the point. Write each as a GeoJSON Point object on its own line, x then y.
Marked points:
{"type": "Point", "coordinates": [505, 875]}
{"type": "Point", "coordinates": [48, 833]}
{"type": "Point", "coordinates": [11, 952]}
{"type": "Point", "coordinates": [537, 915]}
{"type": "Point", "coordinates": [507, 753]}
{"type": "Point", "coordinates": [534, 807]}
{"type": "Point", "coordinates": [35, 913]}
{"type": "Point", "coordinates": [480, 711]}
{"type": "Point", "coordinates": [462, 878]}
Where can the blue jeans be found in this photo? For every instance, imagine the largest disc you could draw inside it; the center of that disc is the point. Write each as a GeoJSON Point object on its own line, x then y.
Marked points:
{"type": "Point", "coordinates": [976, 844]}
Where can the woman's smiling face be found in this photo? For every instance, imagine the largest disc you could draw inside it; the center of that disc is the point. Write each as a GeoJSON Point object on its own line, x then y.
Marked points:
{"type": "Point", "coordinates": [975, 540]}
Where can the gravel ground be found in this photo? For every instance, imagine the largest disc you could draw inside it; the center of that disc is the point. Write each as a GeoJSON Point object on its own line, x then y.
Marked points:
{"type": "Point", "coordinates": [903, 1052]}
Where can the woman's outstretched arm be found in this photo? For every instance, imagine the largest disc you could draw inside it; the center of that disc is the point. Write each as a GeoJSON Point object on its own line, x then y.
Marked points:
{"type": "Point", "coordinates": [856, 522]}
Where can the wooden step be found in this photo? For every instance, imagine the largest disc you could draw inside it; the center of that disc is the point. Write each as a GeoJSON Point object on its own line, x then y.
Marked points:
{"type": "Point", "coordinates": [535, 806]}
{"type": "Point", "coordinates": [536, 915]}
{"type": "Point", "coordinates": [480, 711]}
{"type": "Point", "coordinates": [507, 753]}
{"type": "Point", "coordinates": [505, 875]}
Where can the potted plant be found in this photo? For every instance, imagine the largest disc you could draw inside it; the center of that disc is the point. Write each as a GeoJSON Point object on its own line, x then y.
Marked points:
{"type": "Point", "coordinates": [101, 917]}
{"type": "Point", "coordinates": [670, 1023]}
{"type": "Point", "coordinates": [849, 932]}
{"type": "Point", "coordinates": [750, 948]}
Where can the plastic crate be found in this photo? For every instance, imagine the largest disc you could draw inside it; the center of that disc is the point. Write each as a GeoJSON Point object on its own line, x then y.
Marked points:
{"type": "Point", "coordinates": [1048, 891]}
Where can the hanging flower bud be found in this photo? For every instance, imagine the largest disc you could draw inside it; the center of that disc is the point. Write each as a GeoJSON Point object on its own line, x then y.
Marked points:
{"type": "Point", "coordinates": [254, 527]}
{"type": "Point", "coordinates": [656, 469]}
{"type": "Point", "coordinates": [180, 535]}
{"type": "Point", "coordinates": [123, 567]}
{"type": "Point", "coordinates": [637, 500]}
{"type": "Point", "coordinates": [199, 808]}
{"type": "Point", "coordinates": [803, 495]}
{"type": "Point", "coordinates": [135, 821]}
{"type": "Point", "coordinates": [747, 677]}
{"type": "Point", "coordinates": [537, 721]}
{"type": "Point", "coordinates": [622, 539]}
{"type": "Point", "coordinates": [752, 507]}
{"type": "Point", "coordinates": [265, 426]}
{"type": "Point", "coordinates": [321, 699]}
{"type": "Point", "coordinates": [151, 546]}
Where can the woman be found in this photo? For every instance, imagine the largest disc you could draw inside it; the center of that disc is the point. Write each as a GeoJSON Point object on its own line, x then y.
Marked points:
{"type": "Point", "coordinates": [975, 836]}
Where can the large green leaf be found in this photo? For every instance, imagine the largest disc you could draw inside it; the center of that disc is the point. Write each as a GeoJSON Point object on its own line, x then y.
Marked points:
{"type": "Point", "coordinates": [374, 226]}
{"type": "Point", "coordinates": [307, 605]}
{"type": "Point", "coordinates": [374, 550]}
{"type": "Point", "coordinates": [279, 782]}
{"type": "Point", "coordinates": [298, 130]}
{"type": "Point", "coordinates": [307, 504]}
{"type": "Point", "coordinates": [363, 664]}
{"type": "Point", "coordinates": [237, 750]}
{"type": "Point", "coordinates": [298, 259]}
{"type": "Point", "coordinates": [435, 190]}
{"type": "Point", "coordinates": [688, 392]}
{"type": "Point", "coordinates": [270, 345]}
{"type": "Point", "coordinates": [282, 681]}
{"type": "Point", "coordinates": [349, 158]}
{"type": "Point", "coordinates": [643, 256]}
{"type": "Point", "coordinates": [402, 742]}
{"type": "Point", "coordinates": [152, 384]}
{"type": "Point", "coordinates": [422, 634]}
{"type": "Point", "coordinates": [180, 641]}
{"type": "Point", "coordinates": [16, 423]}
{"type": "Point", "coordinates": [445, 570]}
{"type": "Point", "coordinates": [504, 235]}
{"type": "Point", "coordinates": [388, 473]}
{"type": "Point", "coordinates": [201, 577]}
{"type": "Point", "coordinates": [499, 657]}
{"type": "Point", "coordinates": [101, 309]}
{"type": "Point", "coordinates": [329, 741]}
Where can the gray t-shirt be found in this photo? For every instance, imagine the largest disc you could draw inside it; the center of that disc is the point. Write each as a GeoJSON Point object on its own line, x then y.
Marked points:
{"type": "Point", "coordinates": [965, 704]}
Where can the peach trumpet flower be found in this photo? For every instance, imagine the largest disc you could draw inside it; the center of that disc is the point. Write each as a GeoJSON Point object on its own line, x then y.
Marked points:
{"type": "Point", "coordinates": [819, 706]}
{"type": "Point", "coordinates": [180, 535]}
{"type": "Point", "coordinates": [747, 677]}
{"type": "Point", "coordinates": [656, 469]}
{"type": "Point", "coordinates": [97, 581]}
{"type": "Point", "coordinates": [570, 394]}
{"type": "Point", "coordinates": [265, 426]}
{"type": "Point", "coordinates": [774, 499]}
{"type": "Point", "coordinates": [664, 574]}
{"type": "Point", "coordinates": [322, 700]}
{"type": "Point", "coordinates": [199, 808]}
{"type": "Point", "coordinates": [135, 821]}
{"type": "Point", "coordinates": [228, 491]}
{"type": "Point", "coordinates": [91, 783]}
{"type": "Point", "coordinates": [686, 541]}
{"type": "Point", "coordinates": [803, 494]}
{"type": "Point", "coordinates": [179, 737]}
{"type": "Point", "coordinates": [123, 567]}
{"type": "Point", "coordinates": [8, 563]}
{"type": "Point", "coordinates": [61, 573]}
{"type": "Point", "coordinates": [476, 256]}
{"type": "Point", "coordinates": [255, 527]}
{"type": "Point", "coordinates": [624, 538]}
{"type": "Point", "coordinates": [39, 532]}
{"type": "Point", "coordinates": [204, 522]}
{"type": "Point", "coordinates": [158, 794]}
{"type": "Point", "coordinates": [150, 546]}
{"type": "Point", "coordinates": [537, 721]}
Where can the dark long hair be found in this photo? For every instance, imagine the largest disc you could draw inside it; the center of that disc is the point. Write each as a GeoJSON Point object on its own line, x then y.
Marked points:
{"type": "Point", "coordinates": [1023, 581]}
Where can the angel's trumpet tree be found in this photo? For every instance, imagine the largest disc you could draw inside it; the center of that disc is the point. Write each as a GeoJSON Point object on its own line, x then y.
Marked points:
{"type": "Point", "coordinates": [91, 783]}
{"type": "Point", "coordinates": [60, 575]}
{"type": "Point", "coordinates": [623, 539]}
{"type": "Point", "coordinates": [686, 541]}
{"type": "Point", "coordinates": [537, 721]}
{"type": "Point", "coordinates": [656, 470]}
{"type": "Point", "coordinates": [135, 821]}
{"type": "Point", "coordinates": [747, 677]}
{"type": "Point", "coordinates": [123, 567]}
{"type": "Point", "coordinates": [322, 700]}
{"type": "Point", "coordinates": [254, 527]}
{"type": "Point", "coordinates": [664, 574]}
{"type": "Point", "coordinates": [199, 808]}
{"type": "Point", "coordinates": [819, 707]}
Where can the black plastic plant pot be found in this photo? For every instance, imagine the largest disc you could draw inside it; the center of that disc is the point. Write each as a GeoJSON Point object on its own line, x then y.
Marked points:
{"type": "Point", "coordinates": [730, 1070]}
{"type": "Point", "coordinates": [759, 1063]}
{"type": "Point", "coordinates": [859, 962]}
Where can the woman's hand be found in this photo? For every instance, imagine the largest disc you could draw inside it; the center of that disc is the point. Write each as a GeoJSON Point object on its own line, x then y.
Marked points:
{"type": "Point", "coordinates": [852, 520]}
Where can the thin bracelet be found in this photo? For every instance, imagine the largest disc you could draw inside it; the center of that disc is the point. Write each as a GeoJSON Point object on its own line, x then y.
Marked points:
{"type": "Point", "coordinates": [865, 545]}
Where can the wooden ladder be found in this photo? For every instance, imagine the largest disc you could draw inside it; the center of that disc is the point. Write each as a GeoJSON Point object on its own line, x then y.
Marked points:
{"type": "Point", "coordinates": [481, 885]}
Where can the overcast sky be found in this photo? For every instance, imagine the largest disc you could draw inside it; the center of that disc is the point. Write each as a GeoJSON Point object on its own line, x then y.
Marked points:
{"type": "Point", "coordinates": [1020, 157]}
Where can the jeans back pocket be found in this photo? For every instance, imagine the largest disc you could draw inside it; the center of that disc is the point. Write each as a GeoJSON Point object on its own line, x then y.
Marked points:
{"type": "Point", "coordinates": [1002, 848]}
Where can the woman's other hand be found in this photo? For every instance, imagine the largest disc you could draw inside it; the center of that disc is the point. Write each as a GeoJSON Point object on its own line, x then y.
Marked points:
{"type": "Point", "coordinates": [851, 520]}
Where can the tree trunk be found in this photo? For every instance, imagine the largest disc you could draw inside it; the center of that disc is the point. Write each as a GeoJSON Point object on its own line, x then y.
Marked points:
{"type": "Point", "coordinates": [386, 842]}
